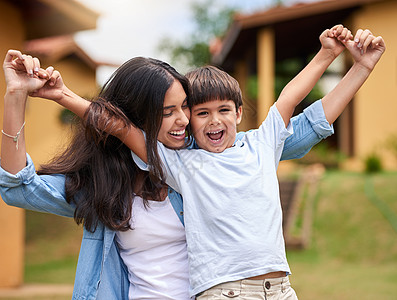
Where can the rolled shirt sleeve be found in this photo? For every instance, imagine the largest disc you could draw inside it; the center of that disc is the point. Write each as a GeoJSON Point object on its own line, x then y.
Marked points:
{"type": "Point", "coordinates": [43, 193]}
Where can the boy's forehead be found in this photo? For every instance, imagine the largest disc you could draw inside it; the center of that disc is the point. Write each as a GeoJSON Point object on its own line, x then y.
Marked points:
{"type": "Point", "coordinates": [214, 103]}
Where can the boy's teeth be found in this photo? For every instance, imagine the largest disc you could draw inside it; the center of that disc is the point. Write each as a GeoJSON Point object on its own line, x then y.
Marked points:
{"type": "Point", "coordinates": [215, 132]}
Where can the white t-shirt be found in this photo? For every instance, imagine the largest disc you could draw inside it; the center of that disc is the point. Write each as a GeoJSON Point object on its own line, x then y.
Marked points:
{"type": "Point", "coordinates": [155, 253]}
{"type": "Point", "coordinates": [233, 217]}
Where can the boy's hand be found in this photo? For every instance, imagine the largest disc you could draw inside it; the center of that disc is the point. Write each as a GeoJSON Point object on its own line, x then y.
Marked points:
{"type": "Point", "coordinates": [366, 48]}
{"type": "Point", "coordinates": [53, 88]}
{"type": "Point", "coordinates": [331, 39]}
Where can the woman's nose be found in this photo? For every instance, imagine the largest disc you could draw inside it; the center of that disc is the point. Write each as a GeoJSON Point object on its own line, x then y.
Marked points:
{"type": "Point", "coordinates": [182, 119]}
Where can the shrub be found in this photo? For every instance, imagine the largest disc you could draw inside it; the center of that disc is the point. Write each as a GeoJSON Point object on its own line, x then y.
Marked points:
{"type": "Point", "coordinates": [373, 163]}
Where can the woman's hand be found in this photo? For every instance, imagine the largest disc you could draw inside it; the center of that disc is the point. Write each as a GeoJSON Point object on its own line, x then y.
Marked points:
{"type": "Point", "coordinates": [23, 73]}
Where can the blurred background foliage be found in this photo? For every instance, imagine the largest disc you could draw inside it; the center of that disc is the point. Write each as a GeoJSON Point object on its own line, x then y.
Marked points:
{"type": "Point", "coordinates": [210, 21]}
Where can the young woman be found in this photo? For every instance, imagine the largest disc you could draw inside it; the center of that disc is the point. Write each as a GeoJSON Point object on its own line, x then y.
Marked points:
{"type": "Point", "coordinates": [133, 245]}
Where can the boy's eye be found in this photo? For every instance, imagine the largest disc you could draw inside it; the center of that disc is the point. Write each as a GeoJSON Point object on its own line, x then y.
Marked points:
{"type": "Point", "coordinates": [202, 113]}
{"type": "Point", "coordinates": [224, 110]}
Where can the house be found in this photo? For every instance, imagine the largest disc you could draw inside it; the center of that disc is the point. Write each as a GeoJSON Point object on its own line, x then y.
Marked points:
{"type": "Point", "coordinates": [20, 21]}
{"type": "Point", "coordinates": [255, 43]}
{"type": "Point", "coordinates": [78, 71]}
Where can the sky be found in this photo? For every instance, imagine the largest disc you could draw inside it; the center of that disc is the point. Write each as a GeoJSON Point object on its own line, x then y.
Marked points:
{"type": "Point", "coordinates": [128, 28]}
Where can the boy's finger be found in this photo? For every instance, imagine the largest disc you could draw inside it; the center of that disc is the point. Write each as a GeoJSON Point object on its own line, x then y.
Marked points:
{"type": "Point", "coordinates": [28, 63]}
{"type": "Point", "coordinates": [36, 65]}
{"type": "Point", "coordinates": [54, 77]}
{"type": "Point", "coordinates": [349, 36]}
{"type": "Point", "coordinates": [50, 70]}
{"type": "Point", "coordinates": [337, 29]}
{"type": "Point", "coordinates": [41, 73]}
{"type": "Point", "coordinates": [343, 34]}
{"type": "Point", "coordinates": [326, 33]}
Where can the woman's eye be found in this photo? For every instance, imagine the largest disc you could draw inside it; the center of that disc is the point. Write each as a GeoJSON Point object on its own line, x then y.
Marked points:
{"type": "Point", "coordinates": [167, 113]}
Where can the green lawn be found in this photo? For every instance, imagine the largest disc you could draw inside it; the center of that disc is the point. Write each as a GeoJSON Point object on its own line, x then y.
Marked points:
{"type": "Point", "coordinates": [52, 247]}
{"type": "Point", "coordinates": [352, 254]}
{"type": "Point", "coordinates": [353, 251]}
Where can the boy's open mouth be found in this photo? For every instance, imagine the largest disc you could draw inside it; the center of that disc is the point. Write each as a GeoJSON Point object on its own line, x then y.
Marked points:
{"type": "Point", "coordinates": [215, 135]}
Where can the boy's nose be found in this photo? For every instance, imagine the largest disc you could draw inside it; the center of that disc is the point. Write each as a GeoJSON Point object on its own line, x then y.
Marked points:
{"type": "Point", "coordinates": [214, 120]}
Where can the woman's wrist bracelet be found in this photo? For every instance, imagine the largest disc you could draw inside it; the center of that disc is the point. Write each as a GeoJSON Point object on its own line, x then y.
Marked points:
{"type": "Point", "coordinates": [14, 137]}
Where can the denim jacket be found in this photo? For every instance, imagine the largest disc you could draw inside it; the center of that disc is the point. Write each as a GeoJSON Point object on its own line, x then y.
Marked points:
{"type": "Point", "coordinates": [101, 273]}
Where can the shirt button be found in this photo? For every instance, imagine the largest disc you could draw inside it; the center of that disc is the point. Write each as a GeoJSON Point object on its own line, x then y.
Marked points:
{"type": "Point", "coordinates": [267, 285]}
{"type": "Point", "coordinates": [181, 213]}
{"type": "Point", "coordinates": [230, 293]}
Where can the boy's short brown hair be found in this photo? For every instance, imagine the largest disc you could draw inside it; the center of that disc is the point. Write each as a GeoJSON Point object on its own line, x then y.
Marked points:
{"type": "Point", "coordinates": [210, 83]}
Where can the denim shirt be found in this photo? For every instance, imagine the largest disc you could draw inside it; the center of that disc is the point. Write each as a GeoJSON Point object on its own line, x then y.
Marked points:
{"type": "Point", "coordinates": [101, 273]}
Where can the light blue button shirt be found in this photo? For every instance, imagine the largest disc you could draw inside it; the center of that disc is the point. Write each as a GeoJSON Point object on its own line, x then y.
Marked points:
{"type": "Point", "coordinates": [101, 273]}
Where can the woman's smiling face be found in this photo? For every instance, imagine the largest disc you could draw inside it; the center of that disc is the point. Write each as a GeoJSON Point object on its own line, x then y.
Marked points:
{"type": "Point", "coordinates": [176, 115]}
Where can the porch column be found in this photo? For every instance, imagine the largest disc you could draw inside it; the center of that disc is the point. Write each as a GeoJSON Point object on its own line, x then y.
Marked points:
{"type": "Point", "coordinates": [266, 72]}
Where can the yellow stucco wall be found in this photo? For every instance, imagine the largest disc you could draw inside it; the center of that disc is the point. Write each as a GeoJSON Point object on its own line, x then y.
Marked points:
{"type": "Point", "coordinates": [45, 134]}
{"type": "Point", "coordinates": [12, 220]}
{"type": "Point", "coordinates": [375, 105]}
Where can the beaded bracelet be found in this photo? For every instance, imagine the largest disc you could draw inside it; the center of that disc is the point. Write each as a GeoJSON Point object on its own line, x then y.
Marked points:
{"type": "Point", "coordinates": [16, 137]}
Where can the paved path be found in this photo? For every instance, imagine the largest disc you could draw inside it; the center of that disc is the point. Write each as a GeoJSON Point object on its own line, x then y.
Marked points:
{"type": "Point", "coordinates": [37, 290]}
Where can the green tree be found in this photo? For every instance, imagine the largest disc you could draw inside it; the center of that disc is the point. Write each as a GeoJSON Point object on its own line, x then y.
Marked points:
{"type": "Point", "coordinates": [210, 21]}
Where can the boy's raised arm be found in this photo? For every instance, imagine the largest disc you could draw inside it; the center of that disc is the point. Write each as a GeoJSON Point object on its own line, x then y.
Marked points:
{"type": "Point", "coordinates": [366, 50]}
{"type": "Point", "coordinates": [300, 86]}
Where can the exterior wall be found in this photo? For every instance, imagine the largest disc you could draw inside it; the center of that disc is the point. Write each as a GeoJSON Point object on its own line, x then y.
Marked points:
{"type": "Point", "coordinates": [45, 134]}
{"type": "Point", "coordinates": [375, 105]}
{"type": "Point", "coordinates": [12, 229]}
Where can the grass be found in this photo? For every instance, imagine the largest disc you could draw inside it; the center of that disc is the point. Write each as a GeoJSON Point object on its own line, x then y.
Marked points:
{"type": "Point", "coordinates": [52, 247]}
{"type": "Point", "coordinates": [352, 254]}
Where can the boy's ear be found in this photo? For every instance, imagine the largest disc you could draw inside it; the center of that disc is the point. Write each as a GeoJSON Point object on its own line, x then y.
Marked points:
{"type": "Point", "coordinates": [239, 114]}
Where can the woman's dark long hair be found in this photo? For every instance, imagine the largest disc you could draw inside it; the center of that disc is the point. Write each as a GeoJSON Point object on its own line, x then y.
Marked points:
{"type": "Point", "coordinates": [100, 172]}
